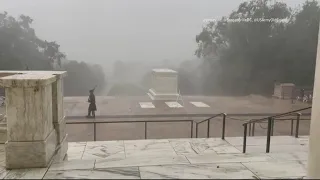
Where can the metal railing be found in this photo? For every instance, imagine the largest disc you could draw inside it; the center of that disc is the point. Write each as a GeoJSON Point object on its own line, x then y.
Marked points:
{"type": "Point", "coordinates": [270, 121]}
{"type": "Point", "coordinates": [94, 122]}
{"type": "Point", "coordinates": [252, 125]}
{"type": "Point", "coordinates": [208, 125]}
{"type": "Point", "coordinates": [189, 115]}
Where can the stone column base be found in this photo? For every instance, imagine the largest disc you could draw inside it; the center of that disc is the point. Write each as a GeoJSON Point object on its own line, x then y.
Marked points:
{"type": "Point", "coordinates": [35, 154]}
{"type": "Point", "coordinates": [166, 97]}
{"type": "Point", "coordinates": [60, 128]}
{"type": "Point", "coordinates": [62, 150]}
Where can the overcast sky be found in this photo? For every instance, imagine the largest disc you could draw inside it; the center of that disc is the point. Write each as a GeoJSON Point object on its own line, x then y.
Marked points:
{"type": "Point", "coordinates": [101, 31]}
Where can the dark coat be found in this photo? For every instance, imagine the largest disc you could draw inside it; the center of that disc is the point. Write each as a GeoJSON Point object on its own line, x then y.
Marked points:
{"type": "Point", "coordinates": [92, 101]}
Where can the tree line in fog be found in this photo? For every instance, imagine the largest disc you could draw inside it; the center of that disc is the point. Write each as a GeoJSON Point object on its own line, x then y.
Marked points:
{"type": "Point", "coordinates": [21, 49]}
{"type": "Point", "coordinates": [248, 57]}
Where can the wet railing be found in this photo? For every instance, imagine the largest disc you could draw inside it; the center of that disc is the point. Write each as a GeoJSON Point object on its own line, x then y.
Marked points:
{"type": "Point", "coordinates": [270, 120]}
{"type": "Point", "coordinates": [191, 119]}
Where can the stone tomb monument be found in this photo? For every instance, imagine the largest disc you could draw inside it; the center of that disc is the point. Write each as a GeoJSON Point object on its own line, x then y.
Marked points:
{"type": "Point", "coordinates": [283, 90]}
{"type": "Point", "coordinates": [164, 85]}
{"type": "Point", "coordinates": [34, 118]}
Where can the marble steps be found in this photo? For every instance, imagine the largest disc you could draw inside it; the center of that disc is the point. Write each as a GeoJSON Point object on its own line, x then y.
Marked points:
{"type": "Point", "coordinates": [201, 158]}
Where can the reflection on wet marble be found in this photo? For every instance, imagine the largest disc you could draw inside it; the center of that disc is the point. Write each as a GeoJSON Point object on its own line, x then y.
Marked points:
{"type": "Point", "coordinates": [76, 144]}
{"type": "Point", "coordinates": [104, 143]}
{"type": "Point", "coordinates": [104, 149]}
{"type": "Point", "coordinates": [276, 169]}
{"type": "Point", "coordinates": [150, 152]}
{"type": "Point", "coordinates": [101, 154]}
{"type": "Point", "coordinates": [75, 150]}
{"type": "Point", "coordinates": [199, 171]}
{"type": "Point", "coordinates": [303, 140]}
{"type": "Point", "coordinates": [73, 164]}
{"type": "Point", "coordinates": [191, 146]}
{"type": "Point", "coordinates": [227, 158]}
{"type": "Point", "coordinates": [202, 146]}
{"type": "Point", "coordinates": [148, 148]}
{"type": "Point", "coordinates": [3, 172]}
{"type": "Point", "coordinates": [275, 148]}
{"type": "Point", "coordinates": [261, 140]}
{"type": "Point", "coordinates": [226, 150]}
{"type": "Point", "coordinates": [111, 173]}
{"type": "Point", "coordinates": [217, 142]}
{"type": "Point", "coordinates": [33, 173]}
{"type": "Point", "coordinates": [290, 156]}
{"type": "Point", "coordinates": [147, 144]}
{"type": "Point", "coordinates": [76, 147]}
{"type": "Point", "coordinates": [141, 161]}
{"type": "Point", "coordinates": [74, 156]}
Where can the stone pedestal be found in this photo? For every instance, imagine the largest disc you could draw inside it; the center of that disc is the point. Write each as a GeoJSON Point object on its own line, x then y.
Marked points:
{"type": "Point", "coordinates": [35, 129]}
{"type": "Point", "coordinates": [164, 85]}
{"type": "Point", "coordinates": [283, 91]}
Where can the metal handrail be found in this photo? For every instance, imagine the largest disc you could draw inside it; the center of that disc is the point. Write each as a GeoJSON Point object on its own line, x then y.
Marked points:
{"type": "Point", "coordinates": [193, 115]}
{"type": "Point", "coordinates": [94, 122]}
{"type": "Point", "coordinates": [278, 115]}
{"type": "Point", "coordinates": [270, 126]}
{"type": "Point", "coordinates": [252, 127]}
{"type": "Point", "coordinates": [208, 126]}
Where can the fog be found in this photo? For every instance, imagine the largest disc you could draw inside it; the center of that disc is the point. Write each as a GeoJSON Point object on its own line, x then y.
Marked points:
{"type": "Point", "coordinates": [102, 31]}
{"type": "Point", "coordinates": [152, 33]}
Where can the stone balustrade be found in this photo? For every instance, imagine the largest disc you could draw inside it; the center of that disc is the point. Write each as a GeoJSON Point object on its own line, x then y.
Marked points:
{"type": "Point", "coordinates": [34, 119]}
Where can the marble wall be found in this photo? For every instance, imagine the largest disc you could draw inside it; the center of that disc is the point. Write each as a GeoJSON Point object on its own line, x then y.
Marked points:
{"type": "Point", "coordinates": [35, 119]}
{"type": "Point", "coordinates": [29, 113]}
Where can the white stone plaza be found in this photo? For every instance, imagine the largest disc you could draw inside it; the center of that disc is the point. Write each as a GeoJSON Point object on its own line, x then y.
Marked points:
{"type": "Point", "coordinates": [200, 158]}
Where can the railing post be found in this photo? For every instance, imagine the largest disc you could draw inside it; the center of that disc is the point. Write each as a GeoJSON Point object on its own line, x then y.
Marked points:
{"type": "Point", "coordinates": [196, 130]}
{"type": "Point", "coordinates": [94, 131]}
{"type": "Point", "coordinates": [191, 128]}
{"type": "Point", "coordinates": [291, 130]}
{"type": "Point", "coordinates": [250, 129]}
{"type": "Point", "coordinates": [269, 134]}
{"type": "Point", "coordinates": [297, 124]}
{"type": "Point", "coordinates": [145, 130]}
{"type": "Point", "coordinates": [244, 138]}
{"type": "Point", "coordinates": [253, 128]}
{"type": "Point", "coordinates": [223, 126]}
{"type": "Point", "coordinates": [208, 130]}
{"type": "Point", "coordinates": [272, 126]}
